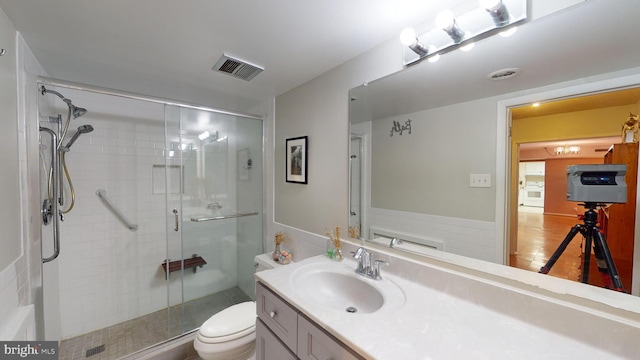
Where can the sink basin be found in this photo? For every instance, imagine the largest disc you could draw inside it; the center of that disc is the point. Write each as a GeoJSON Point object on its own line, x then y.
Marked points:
{"type": "Point", "coordinates": [336, 287]}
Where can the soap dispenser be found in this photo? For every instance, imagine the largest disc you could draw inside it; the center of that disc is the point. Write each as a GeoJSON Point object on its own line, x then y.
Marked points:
{"type": "Point", "coordinates": [331, 249]}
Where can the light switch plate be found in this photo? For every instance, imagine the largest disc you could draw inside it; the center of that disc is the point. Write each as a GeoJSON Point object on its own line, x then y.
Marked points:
{"type": "Point", "coordinates": [480, 180]}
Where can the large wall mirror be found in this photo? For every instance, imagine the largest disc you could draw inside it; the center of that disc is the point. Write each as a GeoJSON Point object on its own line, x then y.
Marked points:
{"type": "Point", "coordinates": [426, 146]}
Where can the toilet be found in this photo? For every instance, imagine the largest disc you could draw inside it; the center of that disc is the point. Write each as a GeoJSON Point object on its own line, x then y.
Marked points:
{"type": "Point", "coordinates": [231, 333]}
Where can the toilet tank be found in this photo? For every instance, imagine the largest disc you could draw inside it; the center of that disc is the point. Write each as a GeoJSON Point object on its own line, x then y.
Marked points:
{"type": "Point", "coordinates": [265, 262]}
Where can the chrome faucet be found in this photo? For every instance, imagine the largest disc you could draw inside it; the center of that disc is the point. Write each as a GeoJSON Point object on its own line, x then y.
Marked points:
{"type": "Point", "coordinates": [364, 261]}
{"type": "Point", "coordinates": [364, 267]}
{"type": "Point", "coordinates": [395, 241]}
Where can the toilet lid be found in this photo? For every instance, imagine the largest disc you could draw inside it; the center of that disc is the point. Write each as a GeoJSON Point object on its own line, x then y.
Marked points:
{"type": "Point", "coordinates": [232, 320]}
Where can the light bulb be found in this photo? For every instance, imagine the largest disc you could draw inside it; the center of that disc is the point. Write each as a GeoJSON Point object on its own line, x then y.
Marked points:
{"type": "Point", "coordinates": [408, 36]}
{"type": "Point", "coordinates": [203, 135]}
{"type": "Point", "coordinates": [508, 32]}
{"type": "Point", "coordinates": [468, 46]}
{"type": "Point", "coordinates": [490, 4]}
{"type": "Point", "coordinates": [445, 19]}
{"type": "Point", "coordinates": [435, 57]}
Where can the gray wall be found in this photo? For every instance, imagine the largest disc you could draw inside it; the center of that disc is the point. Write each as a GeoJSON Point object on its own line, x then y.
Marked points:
{"type": "Point", "coordinates": [427, 171]}
{"type": "Point", "coordinates": [319, 109]}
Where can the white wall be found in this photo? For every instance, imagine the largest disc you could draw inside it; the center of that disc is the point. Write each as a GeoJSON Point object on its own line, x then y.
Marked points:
{"type": "Point", "coordinates": [13, 273]}
{"type": "Point", "coordinates": [20, 281]}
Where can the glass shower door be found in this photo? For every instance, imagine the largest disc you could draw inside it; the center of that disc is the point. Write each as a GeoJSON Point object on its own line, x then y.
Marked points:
{"type": "Point", "coordinates": [214, 211]}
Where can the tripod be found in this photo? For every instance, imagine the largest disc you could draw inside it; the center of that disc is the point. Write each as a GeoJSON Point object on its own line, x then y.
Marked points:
{"type": "Point", "coordinates": [592, 234]}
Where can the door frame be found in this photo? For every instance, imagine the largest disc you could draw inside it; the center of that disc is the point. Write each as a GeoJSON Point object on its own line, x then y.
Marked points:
{"type": "Point", "coordinates": [596, 84]}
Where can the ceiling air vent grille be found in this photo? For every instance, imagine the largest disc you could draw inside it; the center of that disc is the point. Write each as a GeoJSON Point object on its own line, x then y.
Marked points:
{"type": "Point", "coordinates": [237, 68]}
{"type": "Point", "coordinates": [503, 74]}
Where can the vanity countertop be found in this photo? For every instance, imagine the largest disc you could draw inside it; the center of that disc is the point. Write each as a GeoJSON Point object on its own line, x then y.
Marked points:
{"type": "Point", "coordinates": [436, 324]}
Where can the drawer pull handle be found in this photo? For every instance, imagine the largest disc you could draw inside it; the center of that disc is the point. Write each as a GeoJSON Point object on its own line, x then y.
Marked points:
{"type": "Point", "coordinates": [272, 314]}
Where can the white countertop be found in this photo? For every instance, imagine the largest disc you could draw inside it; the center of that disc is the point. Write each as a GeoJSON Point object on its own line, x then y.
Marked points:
{"type": "Point", "coordinates": [436, 324]}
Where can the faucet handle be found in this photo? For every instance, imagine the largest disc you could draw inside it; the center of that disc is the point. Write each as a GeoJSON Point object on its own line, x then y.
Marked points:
{"type": "Point", "coordinates": [363, 257]}
{"type": "Point", "coordinates": [395, 241]}
{"type": "Point", "coordinates": [358, 253]}
{"type": "Point", "coordinates": [376, 268]}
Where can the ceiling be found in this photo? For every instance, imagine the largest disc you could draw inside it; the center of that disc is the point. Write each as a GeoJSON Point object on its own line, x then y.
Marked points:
{"type": "Point", "coordinates": [167, 48]}
{"type": "Point", "coordinates": [594, 147]}
{"type": "Point", "coordinates": [585, 102]}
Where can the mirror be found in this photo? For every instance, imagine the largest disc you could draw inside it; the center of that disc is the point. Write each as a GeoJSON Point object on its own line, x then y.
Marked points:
{"type": "Point", "coordinates": [424, 141]}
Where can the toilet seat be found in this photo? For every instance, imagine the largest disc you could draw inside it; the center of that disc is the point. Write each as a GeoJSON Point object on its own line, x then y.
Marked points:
{"type": "Point", "coordinates": [232, 323]}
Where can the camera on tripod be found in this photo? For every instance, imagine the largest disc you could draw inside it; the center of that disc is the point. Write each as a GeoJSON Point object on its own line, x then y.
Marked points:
{"type": "Point", "coordinates": [593, 185]}
{"type": "Point", "coordinates": [599, 184]}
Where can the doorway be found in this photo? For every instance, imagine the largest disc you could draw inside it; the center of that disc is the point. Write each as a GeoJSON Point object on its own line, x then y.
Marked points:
{"type": "Point", "coordinates": [546, 133]}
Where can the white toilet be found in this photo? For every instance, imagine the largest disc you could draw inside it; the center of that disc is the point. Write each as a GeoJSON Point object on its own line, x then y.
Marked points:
{"type": "Point", "coordinates": [231, 333]}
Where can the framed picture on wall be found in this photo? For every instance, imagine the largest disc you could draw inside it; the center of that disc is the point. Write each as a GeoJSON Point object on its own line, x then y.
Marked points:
{"type": "Point", "coordinates": [296, 163]}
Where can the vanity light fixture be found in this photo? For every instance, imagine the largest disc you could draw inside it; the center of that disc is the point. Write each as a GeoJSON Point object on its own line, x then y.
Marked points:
{"type": "Point", "coordinates": [463, 27]}
{"type": "Point", "coordinates": [408, 37]}
{"type": "Point", "coordinates": [498, 11]}
{"type": "Point", "coordinates": [447, 22]}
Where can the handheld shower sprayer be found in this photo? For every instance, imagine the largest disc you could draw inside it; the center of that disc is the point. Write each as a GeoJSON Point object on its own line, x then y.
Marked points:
{"type": "Point", "coordinates": [82, 129]}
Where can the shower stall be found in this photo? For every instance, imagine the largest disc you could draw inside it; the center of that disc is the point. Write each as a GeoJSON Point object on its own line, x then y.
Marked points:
{"type": "Point", "coordinates": [151, 212]}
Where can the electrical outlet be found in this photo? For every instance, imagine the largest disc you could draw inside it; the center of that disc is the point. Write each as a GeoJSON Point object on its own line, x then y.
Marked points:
{"type": "Point", "coordinates": [480, 180]}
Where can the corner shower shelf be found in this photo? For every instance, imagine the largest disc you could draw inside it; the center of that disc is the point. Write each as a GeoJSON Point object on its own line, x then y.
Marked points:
{"type": "Point", "coordinates": [194, 262]}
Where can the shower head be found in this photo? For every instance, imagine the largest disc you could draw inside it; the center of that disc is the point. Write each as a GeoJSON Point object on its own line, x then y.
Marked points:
{"type": "Point", "coordinates": [82, 129]}
{"type": "Point", "coordinates": [78, 111]}
{"type": "Point", "coordinates": [45, 90]}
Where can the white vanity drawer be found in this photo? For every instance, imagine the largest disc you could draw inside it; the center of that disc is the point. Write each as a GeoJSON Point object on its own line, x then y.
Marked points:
{"type": "Point", "coordinates": [314, 343]}
{"type": "Point", "coordinates": [279, 316]}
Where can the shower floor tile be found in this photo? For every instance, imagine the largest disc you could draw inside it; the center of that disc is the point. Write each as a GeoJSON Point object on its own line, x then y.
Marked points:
{"type": "Point", "coordinates": [133, 335]}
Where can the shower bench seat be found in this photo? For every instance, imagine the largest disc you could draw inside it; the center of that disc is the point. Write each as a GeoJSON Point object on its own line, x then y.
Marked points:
{"type": "Point", "coordinates": [193, 262]}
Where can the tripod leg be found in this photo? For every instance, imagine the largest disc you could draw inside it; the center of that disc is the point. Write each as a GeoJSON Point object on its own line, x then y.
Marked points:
{"type": "Point", "coordinates": [606, 266]}
{"type": "Point", "coordinates": [586, 260]}
{"type": "Point", "coordinates": [563, 245]}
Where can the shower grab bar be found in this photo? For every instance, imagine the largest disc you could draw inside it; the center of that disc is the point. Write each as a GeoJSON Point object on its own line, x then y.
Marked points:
{"type": "Point", "coordinates": [222, 217]}
{"type": "Point", "coordinates": [52, 210]}
{"type": "Point", "coordinates": [102, 194]}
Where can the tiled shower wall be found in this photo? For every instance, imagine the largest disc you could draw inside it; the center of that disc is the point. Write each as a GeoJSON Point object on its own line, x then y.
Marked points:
{"type": "Point", "coordinates": [107, 273]}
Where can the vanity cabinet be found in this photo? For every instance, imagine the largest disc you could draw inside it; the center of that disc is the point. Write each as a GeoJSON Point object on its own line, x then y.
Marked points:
{"type": "Point", "coordinates": [314, 343]}
{"type": "Point", "coordinates": [268, 346]}
{"type": "Point", "coordinates": [282, 332]}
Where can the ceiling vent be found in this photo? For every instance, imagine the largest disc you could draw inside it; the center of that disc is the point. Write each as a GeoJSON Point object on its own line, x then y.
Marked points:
{"type": "Point", "coordinates": [237, 68]}
{"type": "Point", "coordinates": [503, 74]}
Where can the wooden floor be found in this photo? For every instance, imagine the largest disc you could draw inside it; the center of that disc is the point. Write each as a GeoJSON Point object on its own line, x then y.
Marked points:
{"type": "Point", "coordinates": [539, 236]}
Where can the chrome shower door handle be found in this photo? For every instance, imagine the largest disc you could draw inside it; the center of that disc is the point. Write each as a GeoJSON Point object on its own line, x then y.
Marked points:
{"type": "Point", "coordinates": [175, 212]}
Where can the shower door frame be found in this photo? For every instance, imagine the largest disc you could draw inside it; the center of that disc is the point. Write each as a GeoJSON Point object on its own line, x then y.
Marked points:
{"type": "Point", "coordinates": [45, 81]}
